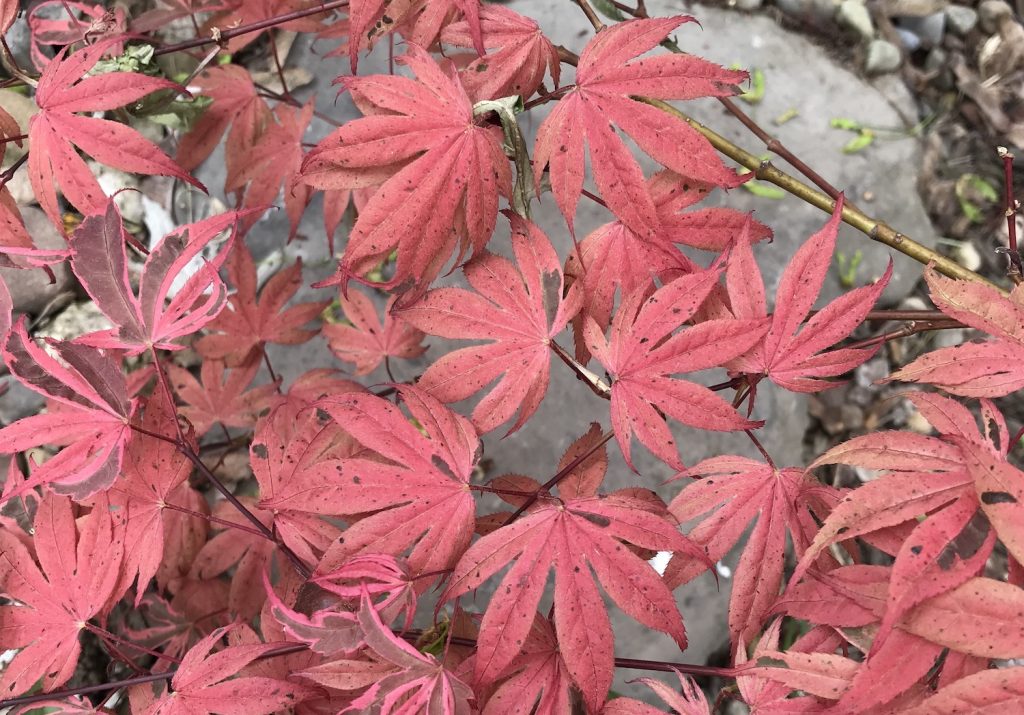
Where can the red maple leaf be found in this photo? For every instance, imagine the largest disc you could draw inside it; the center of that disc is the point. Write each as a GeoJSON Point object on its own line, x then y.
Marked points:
{"type": "Point", "coordinates": [456, 172]}
{"type": "Point", "coordinates": [520, 310]}
{"type": "Point", "coordinates": [56, 130]}
{"type": "Point", "coordinates": [689, 700]}
{"type": "Point", "coordinates": [615, 257]}
{"type": "Point", "coordinates": [976, 369]}
{"type": "Point", "coordinates": [252, 320]}
{"type": "Point", "coordinates": [143, 322]}
{"type": "Point", "coordinates": [571, 534]}
{"type": "Point", "coordinates": [536, 679]}
{"type": "Point", "coordinates": [425, 684]}
{"type": "Point", "coordinates": [89, 415]}
{"type": "Point", "coordinates": [795, 360]}
{"type": "Point", "coordinates": [222, 397]}
{"type": "Point", "coordinates": [290, 440]}
{"type": "Point", "coordinates": [999, 690]}
{"type": "Point", "coordinates": [643, 353]}
{"type": "Point", "coordinates": [606, 83]}
{"type": "Point", "coordinates": [274, 161]}
{"type": "Point", "coordinates": [367, 342]}
{"type": "Point", "coordinates": [521, 54]}
{"type": "Point", "coordinates": [236, 106]}
{"type": "Point", "coordinates": [203, 682]}
{"type": "Point", "coordinates": [75, 581]}
{"type": "Point", "coordinates": [51, 24]}
{"type": "Point", "coordinates": [416, 499]}
{"type": "Point", "coordinates": [947, 480]}
{"type": "Point", "coordinates": [731, 492]}
{"type": "Point", "coordinates": [155, 474]}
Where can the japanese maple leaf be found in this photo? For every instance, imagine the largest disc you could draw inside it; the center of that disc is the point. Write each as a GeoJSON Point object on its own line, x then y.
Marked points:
{"type": "Point", "coordinates": [274, 161]}
{"type": "Point", "coordinates": [236, 109]}
{"type": "Point", "coordinates": [520, 58]}
{"type": "Point", "coordinates": [418, 499]}
{"type": "Point", "coordinates": [439, 169]}
{"type": "Point", "coordinates": [423, 684]}
{"type": "Point", "coordinates": [56, 130]}
{"type": "Point", "coordinates": [643, 353]}
{"type": "Point", "coordinates": [173, 626]}
{"type": "Point", "coordinates": [731, 492]}
{"type": "Point", "coordinates": [924, 476]}
{"type": "Point", "coordinates": [50, 24]}
{"type": "Point", "coordinates": [975, 369]}
{"type": "Point", "coordinates": [615, 257]}
{"type": "Point", "coordinates": [247, 551]}
{"type": "Point", "coordinates": [155, 474]}
{"type": "Point", "coordinates": [606, 83]}
{"type": "Point", "coordinates": [795, 360]}
{"type": "Point", "coordinates": [79, 566]}
{"type": "Point", "coordinates": [8, 13]}
{"type": "Point", "coordinates": [537, 678]}
{"type": "Point", "coordinates": [290, 440]}
{"type": "Point", "coordinates": [164, 12]}
{"type": "Point", "coordinates": [89, 415]}
{"type": "Point", "coordinates": [990, 691]}
{"type": "Point", "coordinates": [578, 531]}
{"type": "Point", "coordinates": [203, 683]}
{"type": "Point", "coordinates": [689, 701]}
{"type": "Point", "coordinates": [251, 319]}
{"type": "Point", "coordinates": [368, 342]}
{"type": "Point", "coordinates": [519, 310]}
{"type": "Point", "coordinates": [142, 321]}
{"type": "Point", "coordinates": [222, 397]}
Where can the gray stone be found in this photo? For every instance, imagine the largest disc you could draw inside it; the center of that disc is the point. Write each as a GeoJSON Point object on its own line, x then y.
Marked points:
{"type": "Point", "coordinates": [819, 13]}
{"type": "Point", "coordinates": [748, 5]}
{"type": "Point", "coordinates": [929, 28]}
{"type": "Point", "coordinates": [936, 60]}
{"type": "Point", "coordinates": [991, 13]}
{"type": "Point", "coordinates": [882, 57]}
{"type": "Point", "coordinates": [961, 19]}
{"type": "Point", "coordinates": [908, 40]}
{"type": "Point", "coordinates": [853, 14]}
{"type": "Point", "coordinates": [31, 289]}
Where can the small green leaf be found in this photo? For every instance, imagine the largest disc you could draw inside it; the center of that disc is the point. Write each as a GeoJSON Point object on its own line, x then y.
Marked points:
{"type": "Point", "coordinates": [786, 116]}
{"type": "Point", "coordinates": [848, 267]}
{"type": "Point", "coordinates": [765, 191]}
{"type": "Point", "coordinates": [971, 190]}
{"type": "Point", "coordinates": [850, 125]}
{"type": "Point", "coordinates": [756, 92]}
{"type": "Point", "coordinates": [608, 9]}
{"type": "Point", "coordinates": [860, 142]}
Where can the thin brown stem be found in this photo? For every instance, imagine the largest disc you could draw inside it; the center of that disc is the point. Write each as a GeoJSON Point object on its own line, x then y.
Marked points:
{"type": "Point", "coordinates": [11, 170]}
{"type": "Point", "coordinates": [278, 65]}
{"type": "Point", "coordinates": [871, 227]}
{"type": "Point", "coordinates": [559, 476]}
{"type": "Point", "coordinates": [1015, 271]}
{"type": "Point", "coordinates": [761, 449]}
{"type": "Point", "coordinates": [268, 92]}
{"type": "Point", "coordinates": [216, 520]}
{"type": "Point", "coordinates": [232, 32]}
{"type": "Point", "coordinates": [911, 328]}
{"type": "Point", "coordinates": [270, 368]}
{"type": "Point", "coordinates": [11, 65]}
{"type": "Point", "coordinates": [107, 635]}
{"type": "Point", "coordinates": [596, 384]}
{"type": "Point", "coordinates": [186, 449]}
{"type": "Point", "coordinates": [591, 14]}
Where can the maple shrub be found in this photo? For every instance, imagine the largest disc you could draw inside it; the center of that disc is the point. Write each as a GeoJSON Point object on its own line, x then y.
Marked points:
{"type": "Point", "coordinates": [367, 565]}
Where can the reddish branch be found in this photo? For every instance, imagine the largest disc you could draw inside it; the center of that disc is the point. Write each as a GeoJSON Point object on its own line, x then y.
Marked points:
{"type": "Point", "coordinates": [1015, 272]}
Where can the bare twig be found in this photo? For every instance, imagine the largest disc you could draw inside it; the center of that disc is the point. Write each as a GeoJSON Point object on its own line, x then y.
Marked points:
{"type": "Point", "coordinates": [1015, 270]}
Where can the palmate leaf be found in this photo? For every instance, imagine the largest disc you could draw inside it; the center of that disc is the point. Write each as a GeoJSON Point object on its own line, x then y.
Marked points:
{"type": "Point", "coordinates": [417, 499]}
{"type": "Point", "coordinates": [571, 535]}
{"type": "Point", "coordinates": [606, 82]}
{"type": "Point", "coordinates": [643, 353]}
{"type": "Point", "coordinates": [89, 415]}
{"type": "Point", "coordinates": [957, 481]}
{"type": "Point", "coordinates": [986, 369]}
{"type": "Point", "coordinates": [521, 54]}
{"type": "Point", "coordinates": [689, 701]}
{"type": "Point", "coordinates": [203, 683]}
{"type": "Point", "coordinates": [437, 168]}
{"type": "Point", "coordinates": [254, 318]}
{"type": "Point", "coordinates": [57, 129]}
{"type": "Point", "coordinates": [75, 581]}
{"type": "Point", "coordinates": [519, 310]}
{"type": "Point", "coordinates": [143, 321]}
{"type": "Point", "coordinates": [796, 360]}
{"type": "Point", "coordinates": [368, 342]}
{"type": "Point", "coordinates": [730, 492]}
